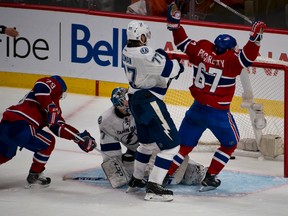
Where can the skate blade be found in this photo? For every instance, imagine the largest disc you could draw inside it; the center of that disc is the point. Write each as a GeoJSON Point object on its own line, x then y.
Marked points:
{"type": "Point", "coordinates": [158, 198]}
{"type": "Point", "coordinates": [35, 186]}
{"type": "Point", "coordinates": [206, 188]}
{"type": "Point", "coordinates": [132, 189]}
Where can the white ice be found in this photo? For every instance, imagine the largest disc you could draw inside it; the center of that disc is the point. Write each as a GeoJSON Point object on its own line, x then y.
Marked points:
{"type": "Point", "coordinates": [67, 198]}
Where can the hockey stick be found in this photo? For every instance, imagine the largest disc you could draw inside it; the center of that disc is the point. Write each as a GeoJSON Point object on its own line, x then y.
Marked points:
{"type": "Point", "coordinates": [233, 11]}
{"type": "Point", "coordinates": [80, 138]}
{"type": "Point", "coordinates": [82, 178]}
{"type": "Point", "coordinates": [180, 4]}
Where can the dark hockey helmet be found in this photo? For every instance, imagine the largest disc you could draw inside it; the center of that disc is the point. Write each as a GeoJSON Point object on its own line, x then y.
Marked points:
{"type": "Point", "coordinates": [62, 83]}
{"type": "Point", "coordinates": [224, 42]}
{"type": "Point", "coordinates": [119, 100]}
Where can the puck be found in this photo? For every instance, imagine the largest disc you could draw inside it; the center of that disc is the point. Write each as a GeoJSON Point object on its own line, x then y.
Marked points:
{"type": "Point", "coordinates": [232, 157]}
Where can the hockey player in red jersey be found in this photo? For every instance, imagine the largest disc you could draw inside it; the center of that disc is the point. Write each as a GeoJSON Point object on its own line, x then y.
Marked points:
{"type": "Point", "coordinates": [22, 126]}
{"type": "Point", "coordinates": [215, 67]}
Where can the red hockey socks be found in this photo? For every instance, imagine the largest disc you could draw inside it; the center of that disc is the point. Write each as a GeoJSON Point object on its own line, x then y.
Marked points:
{"type": "Point", "coordinates": [220, 159]}
{"type": "Point", "coordinates": [41, 158]}
{"type": "Point", "coordinates": [178, 159]}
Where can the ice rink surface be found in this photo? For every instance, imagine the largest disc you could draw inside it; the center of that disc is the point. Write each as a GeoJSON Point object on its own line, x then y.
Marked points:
{"type": "Point", "coordinates": [69, 198]}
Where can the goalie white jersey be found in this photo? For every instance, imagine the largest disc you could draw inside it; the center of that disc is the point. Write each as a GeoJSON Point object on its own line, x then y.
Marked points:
{"type": "Point", "coordinates": [115, 130]}
{"type": "Point", "coordinates": [146, 68]}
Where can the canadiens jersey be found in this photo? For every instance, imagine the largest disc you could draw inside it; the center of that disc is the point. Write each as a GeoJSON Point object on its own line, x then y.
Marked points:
{"type": "Point", "coordinates": [214, 79]}
{"type": "Point", "coordinates": [146, 68]}
{"type": "Point", "coordinates": [115, 130]}
{"type": "Point", "coordinates": [33, 107]}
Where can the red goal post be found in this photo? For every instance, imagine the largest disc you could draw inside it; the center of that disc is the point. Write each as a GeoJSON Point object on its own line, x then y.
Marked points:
{"type": "Point", "coordinates": [268, 84]}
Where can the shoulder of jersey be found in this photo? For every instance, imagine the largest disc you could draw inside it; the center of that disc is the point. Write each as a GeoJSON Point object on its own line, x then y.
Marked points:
{"type": "Point", "coordinates": [106, 115]}
{"type": "Point", "coordinates": [142, 50]}
{"type": "Point", "coordinates": [145, 50]}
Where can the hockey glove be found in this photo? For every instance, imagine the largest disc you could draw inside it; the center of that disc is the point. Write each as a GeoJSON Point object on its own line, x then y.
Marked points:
{"type": "Point", "coordinates": [87, 142]}
{"type": "Point", "coordinates": [162, 52]}
{"type": "Point", "coordinates": [173, 17]}
{"type": "Point", "coordinates": [52, 114]}
{"type": "Point", "coordinates": [257, 30]}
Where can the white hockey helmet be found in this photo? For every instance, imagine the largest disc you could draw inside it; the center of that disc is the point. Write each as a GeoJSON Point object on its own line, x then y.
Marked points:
{"type": "Point", "coordinates": [137, 28]}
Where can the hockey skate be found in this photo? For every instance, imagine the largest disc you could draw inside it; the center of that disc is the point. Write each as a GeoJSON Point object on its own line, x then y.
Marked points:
{"type": "Point", "coordinates": [135, 184]}
{"type": "Point", "coordinates": [210, 182]}
{"type": "Point", "coordinates": [167, 180]}
{"type": "Point", "coordinates": [156, 192]}
{"type": "Point", "coordinates": [178, 175]}
{"type": "Point", "coordinates": [37, 180]}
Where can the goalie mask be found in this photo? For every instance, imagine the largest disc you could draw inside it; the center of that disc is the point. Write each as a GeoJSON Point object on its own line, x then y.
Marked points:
{"type": "Point", "coordinates": [136, 29]}
{"type": "Point", "coordinates": [119, 100]}
{"type": "Point", "coordinates": [224, 42]}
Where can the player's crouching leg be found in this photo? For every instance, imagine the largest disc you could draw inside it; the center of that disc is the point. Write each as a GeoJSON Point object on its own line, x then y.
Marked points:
{"type": "Point", "coordinates": [46, 141]}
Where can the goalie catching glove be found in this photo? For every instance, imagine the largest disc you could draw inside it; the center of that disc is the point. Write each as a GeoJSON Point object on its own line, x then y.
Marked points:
{"type": "Point", "coordinates": [257, 30]}
{"type": "Point", "coordinates": [87, 143]}
{"type": "Point", "coordinates": [173, 17]}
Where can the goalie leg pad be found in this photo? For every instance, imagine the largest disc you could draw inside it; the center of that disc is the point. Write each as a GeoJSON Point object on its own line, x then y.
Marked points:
{"type": "Point", "coordinates": [177, 177]}
{"type": "Point", "coordinates": [129, 167]}
{"type": "Point", "coordinates": [116, 172]}
{"type": "Point", "coordinates": [194, 174]}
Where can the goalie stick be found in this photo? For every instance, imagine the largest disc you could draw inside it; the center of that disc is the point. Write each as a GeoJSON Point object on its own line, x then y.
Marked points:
{"type": "Point", "coordinates": [83, 178]}
{"type": "Point", "coordinates": [233, 11]}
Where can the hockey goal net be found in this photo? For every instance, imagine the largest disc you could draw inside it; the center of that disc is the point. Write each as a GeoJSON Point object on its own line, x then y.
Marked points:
{"type": "Point", "coordinates": [261, 97]}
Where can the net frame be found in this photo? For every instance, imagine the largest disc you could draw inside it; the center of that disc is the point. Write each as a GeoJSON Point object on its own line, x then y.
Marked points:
{"type": "Point", "coordinates": [266, 64]}
{"type": "Point", "coordinates": [279, 65]}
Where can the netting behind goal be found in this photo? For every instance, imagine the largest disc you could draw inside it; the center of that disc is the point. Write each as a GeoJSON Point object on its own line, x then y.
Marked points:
{"type": "Point", "coordinates": [266, 91]}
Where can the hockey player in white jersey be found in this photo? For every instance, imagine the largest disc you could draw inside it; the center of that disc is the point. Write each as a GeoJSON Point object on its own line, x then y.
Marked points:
{"type": "Point", "coordinates": [117, 127]}
{"type": "Point", "coordinates": [149, 73]}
